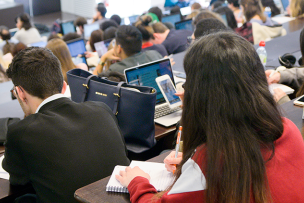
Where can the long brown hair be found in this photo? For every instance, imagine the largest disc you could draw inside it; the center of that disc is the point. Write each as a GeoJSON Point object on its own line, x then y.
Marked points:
{"type": "Point", "coordinates": [297, 8]}
{"type": "Point", "coordinates": [229, 111]}
{"type": "Point", "coordinates": [61, 51]}
{"type": "Point", "coordinates": [252, 8]}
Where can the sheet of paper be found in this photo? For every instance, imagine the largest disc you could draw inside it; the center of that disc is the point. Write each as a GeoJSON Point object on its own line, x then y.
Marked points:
{"type": "Point", "coordinates": [3, 173]}
{"type": "Point", "coordinates": [285, 88]}
{"type": "Point", "coordinates": [282, 19]}
{"type": "Point", "coordinates": [160, 178]}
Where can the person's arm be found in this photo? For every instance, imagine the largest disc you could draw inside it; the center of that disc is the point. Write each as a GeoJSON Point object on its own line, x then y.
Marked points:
{"type": "Point", "coordinates": [110, 55]}
{"type": "Point", "coordinates": [280, 96]}
{"type": "Point", "coordinates": [293, 77]}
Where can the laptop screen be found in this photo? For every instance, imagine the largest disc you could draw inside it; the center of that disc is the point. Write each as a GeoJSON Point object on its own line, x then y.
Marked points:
{"type": "Point", "coordinates": [171, 19]}
{"type": "Point", "coordinates": [38, 44]}
{"type": "Point", "coordinates": [67, 27]}
{"type": "Point", "coordinates": [102, 47]}
{"type": "Point", "coordinates": [186, 10]}
{"type": "Point", "coordinates": [76, 47]}
{"type": "Point", "coordinates": [184, 25]}
{"type": "Point", "coordinates": [144, 75]}
{"type": "Point", "coordinates": [133, 19]}
{"type": "Point", "coordinates": [89, 28]}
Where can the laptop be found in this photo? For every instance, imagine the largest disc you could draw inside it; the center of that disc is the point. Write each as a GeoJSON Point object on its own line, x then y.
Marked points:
{"type": "Point", "coordinates": [13, 31]}
{"type": "Point", "coordinates": [285, 4]}
{"type": "Point", "coordinates": [38, 44]}
{"type": "Point", "coordinates": [144, 75]}
{"type": "Point", "coordinates": [89, 28]}
{"type": "Point", "coordinates": [77, 48]}
{"type": "Point", "coordinates": [67, 27]}
{"type": "Point", "coordinates": [185, 11]}
{"type": "Point", "coordinates": [133, 19]}
{"type": "Point", "coordinates": [102, 47]}
{"type": "Point", "coordinates": [184, 25]}
{"type": "Point", "coordinates": [171, 18]}
{"type": "Point", "coordinates": [224, 17]}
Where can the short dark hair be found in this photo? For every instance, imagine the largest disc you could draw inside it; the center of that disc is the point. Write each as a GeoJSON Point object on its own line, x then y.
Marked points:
{"type": "Point", "coordinates": [6, 35]}
{"type": "Point", "coordinates": [235, 3]}
{"type": "Point", "coordinates": [157, 12]}
{"type": "Point", "coordinates": [116, 18]}
{"type": "Point", "coordinates": [80, 21]}
{"type": "Point", "coordinates": [37, 70]}
{"type": "Point", "coordinates": [108, 23]}
{"type": "Point", "coordinates": [96, 36]}
{"type": "Point", "coordinates": [109, 33]}
{"type": "Point", "coordinates": [102, 9]}
{"type": "Point", "coordinates": [25, 19]}
{"type": "Point", "coordinates": [217, 4]}
{"type": "Point", "coordinates": [70, 36]}
{"type": "Point", "coordinates": [130, 39]}
{"type": "Point", "coordinates": [207, 26]}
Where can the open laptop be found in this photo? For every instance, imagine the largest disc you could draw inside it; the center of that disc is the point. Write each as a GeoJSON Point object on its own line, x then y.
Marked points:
{"type": "Point", "coordinates": [145, 75]}
{"type": "Point", "coordinates": [38, 44]}
{"type": "Point", "coordinates": [171, 18]}
{"type": "Point", "coordinates": [184, 25]}
{"type": "Point", "coordinates": [89, 28]}
{"type": "Point", "coordinates": [67, 27]}
{"type": "Point", "coordinates": [185, 11]}
{"type": "Point", "coordinates": [77, 48]}
{"type": "Point", "coordinates": [102, 47]}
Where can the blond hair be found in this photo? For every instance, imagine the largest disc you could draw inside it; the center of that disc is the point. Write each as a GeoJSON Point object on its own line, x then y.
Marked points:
{"type": "Point", "coordinates": [297, 8]}
{"type": "Point", "coordinates": [61, 51]}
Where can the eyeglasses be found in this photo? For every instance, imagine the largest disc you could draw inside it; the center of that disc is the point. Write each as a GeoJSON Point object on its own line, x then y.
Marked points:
{"type": "Point", "coordinates": [14, 92]}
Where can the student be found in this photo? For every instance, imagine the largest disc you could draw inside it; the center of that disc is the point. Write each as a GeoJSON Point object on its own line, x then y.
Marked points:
{"type": "Point", "coordinates": [147, 33]}
{"type": "Point", "coordinates": [175, 41]}
{"type": "Point", "coordinates": [108, 23]}
{"type": "Point", "coordinates": [109, 33]}
{"type": "Point", "coordinates": [127, 50]}
{"type": "Point", "coordinates": [60, 145]}
{"type": "Point", "coordinates": [236, 145]}
{"type": "Point", "coordinates": [253, 12]}
{"type": "Point", "coordinates": [6, 37]}
{"type": "Point", "coordinates": [26, 33]}
{"type": "Point", "coordinates": [96, 36]}
{"type": "Point", "coordinates": [196, 6]}
{"type": "Point", "coordinates": [156, 10]}
{"type": "Point", "coordinates": [235, 7]}
{"type": "Point", "coordinates": [206, 14]}
{"type": "Point", "coordinates": [293, 77]}
{"type": "Point", "coordinates": [116, 18]}
{"type": "Point", "coordinates": [207, 26]}
{"type": "Point", "coordinates": [100, 16]}
{"type": "Point", "coordinates": [270, 3]}
{"type": "Point", "coordinates": [79, 23]}
{"type": "Point", "coordinates": [61, 51]}
{"type": "Point", "coordinates": [229, 16]}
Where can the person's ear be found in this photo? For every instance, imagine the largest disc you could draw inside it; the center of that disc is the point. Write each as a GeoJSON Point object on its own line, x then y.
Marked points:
{"type": "Point", "coordinates": [119, 49]}
{"type": "Point", "coordinates": [21, 94]}
{"type": "Point", "coordinates": [64, 87]}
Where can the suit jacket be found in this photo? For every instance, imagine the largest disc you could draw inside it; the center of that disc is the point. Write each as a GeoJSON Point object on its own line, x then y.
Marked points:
{"type": "Point", "coordinates": [63, 147]}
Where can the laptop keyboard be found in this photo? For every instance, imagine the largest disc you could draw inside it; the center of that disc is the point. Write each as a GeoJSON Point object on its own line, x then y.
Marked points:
{"type": "Point", "coordinates": [164, 110]}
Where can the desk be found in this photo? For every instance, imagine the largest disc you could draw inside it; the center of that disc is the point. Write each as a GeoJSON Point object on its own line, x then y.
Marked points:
{"type": "Point", "coordinates": [96, 192]}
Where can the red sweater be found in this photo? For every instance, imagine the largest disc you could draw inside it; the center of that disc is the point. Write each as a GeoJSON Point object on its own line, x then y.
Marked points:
{"type": "Point", "coordinates": [285, 173]}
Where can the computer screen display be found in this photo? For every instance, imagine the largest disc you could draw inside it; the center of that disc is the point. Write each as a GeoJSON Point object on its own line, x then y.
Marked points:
{"type": "Point", "coordinates": [186, 10]}
{"type": "Point", "coordinates": [224, 17]}
{"type": "Point", "coordinates": [38, 44]}
{"type": "Point", "coordinates": [89, 28]}
{"type": "Point", "coordinates": [67, 27]}
{"type": "Point", "coordinates": [145, 75]}
{"type": "Point", "coordinates": [171, 19]}
{"type": "Point", "coordinates": [133, 19]}
{"type": "Point", "coordinates": [184, 25]}
{"type": "Point", "coordinates": [76, 47]}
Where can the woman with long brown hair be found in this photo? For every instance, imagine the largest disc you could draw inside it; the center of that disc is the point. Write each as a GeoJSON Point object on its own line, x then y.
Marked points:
{"type": "Point", "coordinates": [61, 51]}
{"type": "Point", "coordinates": [236, 145]}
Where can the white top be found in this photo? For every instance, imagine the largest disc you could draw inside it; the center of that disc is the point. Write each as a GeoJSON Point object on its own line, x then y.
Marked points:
{"type": "Point", "coordinates": [28, 36]}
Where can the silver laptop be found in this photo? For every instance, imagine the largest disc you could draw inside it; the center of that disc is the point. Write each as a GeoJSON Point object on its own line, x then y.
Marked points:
{"type": "Point", "coordinates": [144, 75]}
{"type": "Point", "coordinates": [89, 28]}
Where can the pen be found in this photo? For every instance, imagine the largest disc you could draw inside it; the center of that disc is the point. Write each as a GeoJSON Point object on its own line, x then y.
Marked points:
{"type": "Point", "coordinates": [272, 73]}
{"type": "Point", "coordinates": [280, 68]}
{"type": "Point", "coordinates": [178, 143]}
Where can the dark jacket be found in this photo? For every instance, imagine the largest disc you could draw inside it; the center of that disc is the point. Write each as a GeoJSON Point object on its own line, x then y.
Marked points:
{"type": "Point", "coordinates": [63, 147]}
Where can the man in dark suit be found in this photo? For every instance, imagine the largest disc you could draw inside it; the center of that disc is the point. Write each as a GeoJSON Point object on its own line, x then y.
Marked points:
{"type": "Point", "coordinates": [60, 145]}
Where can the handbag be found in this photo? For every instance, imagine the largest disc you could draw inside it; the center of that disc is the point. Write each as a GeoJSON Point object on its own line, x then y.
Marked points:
{"type": "Point", "coordinates": [4, 123]}
{"type": "Point", "coordinates": [133, 106]}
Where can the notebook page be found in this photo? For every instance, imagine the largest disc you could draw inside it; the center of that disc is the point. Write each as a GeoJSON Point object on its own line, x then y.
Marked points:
{"type": "Point", "coordinates": [160, 178]}
{"type": "Point", "coordinates": [113, 184]}
{"type": "Point", "coordinates": [3, 173]}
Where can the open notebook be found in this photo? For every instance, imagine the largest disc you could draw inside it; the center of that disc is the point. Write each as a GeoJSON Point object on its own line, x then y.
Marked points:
{"type": "Point", "coordinates": [160, 178]}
